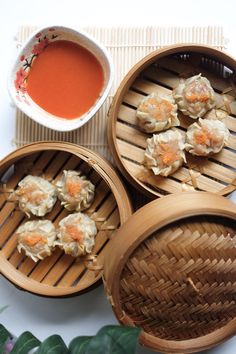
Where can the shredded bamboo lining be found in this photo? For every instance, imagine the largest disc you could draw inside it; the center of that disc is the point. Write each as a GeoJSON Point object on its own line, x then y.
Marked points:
{"type": "Point", "coordinates": [127, 45]}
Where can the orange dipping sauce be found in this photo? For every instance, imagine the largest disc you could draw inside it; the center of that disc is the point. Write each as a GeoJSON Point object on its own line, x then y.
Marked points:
{"type": "Point", "coordinates": [65, 79]}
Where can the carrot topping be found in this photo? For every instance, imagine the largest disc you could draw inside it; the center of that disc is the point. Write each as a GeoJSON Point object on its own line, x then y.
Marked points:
{"type": "Point", "coordinates": [74, 233]}
{"type": "Point", "coordinates": [73, 187]}
{"type": "Point", "coordinates": [168, 154]}
{"type": "Point", "coordinates": [205, 137]}
{"type": "Point", "coordinates": [194, 97]}
{"type": "Point", "coordinates": [168, 158]}
{"type": "Point", "coordinates": [33, 239]}
{"type": "Point", "coordinates": [201, 137]}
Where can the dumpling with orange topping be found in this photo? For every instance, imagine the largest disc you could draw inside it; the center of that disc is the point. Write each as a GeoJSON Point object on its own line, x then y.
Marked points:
{"type": "Point", "coordinates": [76, 234]}
{"type": "Point", "coordinates": [35, 195]}
{"type": "Point", "coordinates": [206, 137]}
{"type": "Point", "coordinates": [76, 192]}
{"type": "Point", "coordinates": [156, 113]}
{"type": "Point", "coordinates": [36, 238]}
{"type": "Point", "coordinates": [194, 96]}
{"type": "Point", "coordinates": [165, 152]}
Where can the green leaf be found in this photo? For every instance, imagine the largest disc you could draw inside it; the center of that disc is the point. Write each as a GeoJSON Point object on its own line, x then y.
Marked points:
{"type": "Point", "coordinates": [79, 344]}
{"type": "Point", "coordinates": [3, 308]}
{"type": "Point", "coordinates": [114, 340]}
{"type": "Point", "coordinates": [53, 345]}
{"type": "Point", "coordinates": [25, 343]}
{"type": "Point", "coordinates": [4, 335]}
{"type": "Point", "coordinates": [109, 340]}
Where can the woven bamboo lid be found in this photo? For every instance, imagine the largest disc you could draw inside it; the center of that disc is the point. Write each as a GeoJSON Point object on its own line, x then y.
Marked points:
{"type": "Point", "coordinates": [59, 274]}
{"type": "Point", "coordinates": [160, 72]}
{"type": "Point", "coordinates": [171, 271]}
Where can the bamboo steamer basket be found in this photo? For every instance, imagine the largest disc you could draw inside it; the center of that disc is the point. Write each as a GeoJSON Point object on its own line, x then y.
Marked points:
{"type": "Point", "coordinates": [160, 72]}
{"type": "Point", "coordinates": [59, 274]}
{"type": "Point", "coordinates": [174, 275]}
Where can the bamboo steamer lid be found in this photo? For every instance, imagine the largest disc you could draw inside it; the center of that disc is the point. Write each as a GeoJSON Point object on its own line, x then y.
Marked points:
{"type": "Point", "coordinates": [170, 269]}
{"type": "Point", "coordinates": [59, 274]}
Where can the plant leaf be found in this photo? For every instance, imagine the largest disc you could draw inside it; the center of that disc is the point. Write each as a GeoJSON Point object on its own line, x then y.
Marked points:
{"type": "Point", "coordinates": [53, 345]}
{"type": "Point", "coordinates": [3, 308]}
{"type": "Point", "coordinates": [25, 343]}
{"type": "Point", "coordinates": [4, 335]}
{"type": "Point", "coordinates": [79, 344]}
{"type": "Point", "coordinates": [114, 340]}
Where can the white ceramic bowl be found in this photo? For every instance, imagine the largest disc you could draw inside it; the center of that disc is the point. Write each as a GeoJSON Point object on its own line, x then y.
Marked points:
{"type": "Point", "coordinates": [19, 70]}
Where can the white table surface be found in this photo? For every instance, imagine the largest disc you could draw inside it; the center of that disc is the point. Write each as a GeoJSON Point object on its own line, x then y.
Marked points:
{"type": "Point", "coordinates": [84, 315]}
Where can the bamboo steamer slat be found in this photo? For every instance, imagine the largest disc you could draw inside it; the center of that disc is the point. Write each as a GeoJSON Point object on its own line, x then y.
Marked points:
{"type": "Point", "coordinates": [160, 72]}
{"type": "Point", "coordinates": [175, 273]}
{"type": "Point", "coordinates": [59, 274]}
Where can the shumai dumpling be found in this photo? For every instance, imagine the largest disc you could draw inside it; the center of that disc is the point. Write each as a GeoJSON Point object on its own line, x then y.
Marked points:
{"type": "Point", "coordinates": [206, 137]}
{"type": "Point", "coordinates": [36, 238]}
{"type": "Point", "coordinates": [194, 96]}
{"type": "Point", "coordinates": [156, 113]}
{"type": "Point", "coordinates": [76, 192]}
{"type": "Point", "coordinates": [76, 234]}
{"type": "Point", "coordinates": [35, 195]}
{"type": "Point", "coordinates": [165, 152]}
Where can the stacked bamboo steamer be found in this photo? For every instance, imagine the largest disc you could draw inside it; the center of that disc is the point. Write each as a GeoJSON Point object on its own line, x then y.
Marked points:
{"type": "Point", "coordinates": [175, 258]}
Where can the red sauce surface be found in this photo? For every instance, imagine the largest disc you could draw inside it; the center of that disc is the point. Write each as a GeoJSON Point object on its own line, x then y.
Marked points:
{"type": "Point", "coordinates": [65, 79]}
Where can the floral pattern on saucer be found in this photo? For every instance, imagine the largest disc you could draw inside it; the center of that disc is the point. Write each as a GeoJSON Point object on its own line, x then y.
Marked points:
{"type": "Point", "coordinates": [20, 81]}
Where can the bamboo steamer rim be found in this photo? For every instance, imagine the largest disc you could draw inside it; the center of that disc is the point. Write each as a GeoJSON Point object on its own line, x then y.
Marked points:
{"type": "Point", "coordinates": [124, 86]}
{"type": "Point", "coordinates": [143, 223]}
{"type": "Point", "coordinates": [103, 168]}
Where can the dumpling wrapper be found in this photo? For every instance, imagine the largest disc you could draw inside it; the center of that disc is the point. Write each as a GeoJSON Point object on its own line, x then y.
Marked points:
{"type": "Point", "coordinates": [76, 234]}
{"type": "Point", "coordinates": [157, 113]}
{"type": "Point", "coordinates": [206, 137]}
{"type": "Point", "coordinates": [76, 192]}
{"type": "Point", "coordinates": [36, 238]}
{"type": "Point", "coordinates": [165, 152]}
{"type": "Point", "coordinates": [35, 195]}
{"type": "Point", "coordinates": [194, 96]}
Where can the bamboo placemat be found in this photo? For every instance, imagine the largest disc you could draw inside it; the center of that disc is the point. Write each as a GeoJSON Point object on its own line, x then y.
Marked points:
{"type": "Point", "coordinates": [127, 45]}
